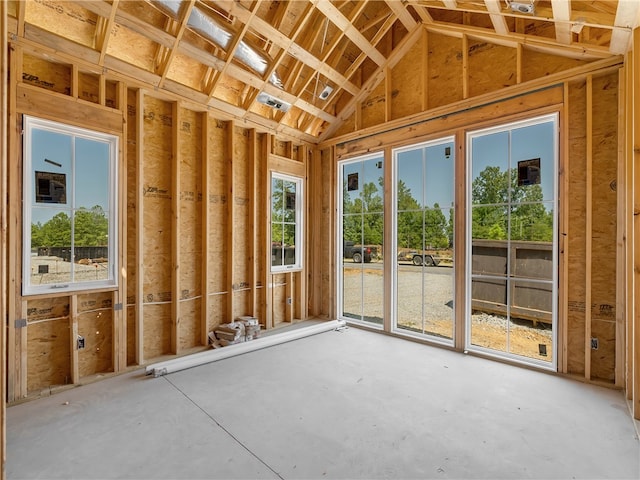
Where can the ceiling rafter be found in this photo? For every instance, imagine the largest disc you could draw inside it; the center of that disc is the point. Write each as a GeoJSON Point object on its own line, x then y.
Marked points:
{"type": "Point", "coordinates": [179, 27]}
{"type": "Point", "coordinates": [379, 75]}
{"type": "Point", "coordinates": [343, 23]}
{"type": "Point", "coordinates": [402, 13]}
{"type": "Point", "coordinates": [263, 28]}
{"type": "Point", "coordinates": [232, 50]}
{"type": "Point", "coordinates": [562, 19]}
{"type": "Point", "coordinates": [626, 20]}
{"type": "Point", "coordinates": [103, 31]}
{"type": "Point", "coordinates": [498, 21]}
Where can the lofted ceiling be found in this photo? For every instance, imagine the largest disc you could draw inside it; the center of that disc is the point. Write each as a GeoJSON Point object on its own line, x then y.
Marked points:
{"type": "Point", "coordinates": [300, 67]}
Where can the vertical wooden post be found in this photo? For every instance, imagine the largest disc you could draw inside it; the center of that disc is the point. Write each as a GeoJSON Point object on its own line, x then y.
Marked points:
{"type": "Point", "coordinates": [387, 255]}
{"type": "Point", "coordinates": [424, 65]}
{"type": "Point", "coordinates": [139, 309]}
{"type": "Point", "coordinates": [314, 222]}
{"type": "Point", "coordinates": [621, 191]}
{"type": "Point", "coordinates": [4, 162]}
{"type": "Point", "coordinates": [73, 338]}
{"type": "Point", "coordinates": [388, 86]}
{"type": "Point", "coordinates": [268, 278]}
{"type": "Point", "coordinates": [231, 249]}
{"type": "Point", "coordinates": [519, 64]}
{"type": "Point", "coordinates": [459, 251]}
{"type": "Point", "coordinates": [255, 220]}
{"type": "Point", "coordinates": [635, 101]}
{"type": "Point", "coordinates": [120, 297]}
{"type": "Point", "coordinates": [330, 236]}
{"type": "Point", "coordinates": [630, 69]}
{"type": "Point", "coordinates": [588, 230]}
{"type": "Point", "coordinates": [465, 66]}
{"type": "Point", "coordinates": [206, 230]}
{"type": "Point", "coordinates": [175, 229]}
{"type": "Point", "coordinates": [562, 337]}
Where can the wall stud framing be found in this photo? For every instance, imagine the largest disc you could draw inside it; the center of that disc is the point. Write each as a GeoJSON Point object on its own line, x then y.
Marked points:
{"type": "Point", "coordinates": [563, 241]}
{"type": "Point", "coordinates": [588, 230]}
{"type": "Point", "coordinates": [636, 229]}
{"type": "Point", "coordinates": [621, 190]}
{"type": "Point", "coordinates": [175, 229]}
{"type": "Point", "coordinates": [231, 249]}
{"type": "Point", "coordinates": [206, 230]}
{"type": "Point", "coordinates": [140, 228]}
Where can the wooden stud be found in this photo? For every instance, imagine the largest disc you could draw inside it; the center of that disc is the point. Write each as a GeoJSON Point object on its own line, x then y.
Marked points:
{"type": "Point", "coordinates": [75, 80]}
{"type": "Point", "coordinates": [4, 162]}
{"type": "Point", "coordinates": [588, 230]}
{"type": "Point", "coordinates": [139, 308]}
{"type": "Point", "coordinates": [267, 285]}
{"type": "Point", "coordinates": [465, 66]}
{"type": "Point", "coordinates": [621, 260]}
{"type": "Point", "coordinates": [289, 300]}
{"type": "Point", "coordinates": [630, 68]}
{"type": "Point", "coordinates": [519, 52]}
{"type": "Point", "coordinates": [175, 229]}
{"type": "Point", "coordinates": [388, 93]}
{"type": "Point", "coordinates": [231, 249]}
{"type": "Point", "coordinates": [206, 229]}
{"type": "Point", "coordinates": [73, 347]}
{"type": "Point", "coordinates": [460, 234]}
{"type": "Point", "coordinates": [562, 336]}
{"type": "Point", "coordinates": [424, 65]}
{"type": "Point", "coordinates": [636, 228]}
{"type": "Point", "coordinates": [388, 255]}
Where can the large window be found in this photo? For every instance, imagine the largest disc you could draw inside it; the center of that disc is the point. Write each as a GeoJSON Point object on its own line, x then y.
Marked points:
{"type": "Point", "coordinates": [286, 222]}
{"type": "Point", "coordinates": [70, 209]}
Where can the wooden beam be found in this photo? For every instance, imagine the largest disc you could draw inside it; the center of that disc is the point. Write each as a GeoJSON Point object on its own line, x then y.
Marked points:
{"type": "Point", "coordinates": [73, 339]}
{"type": "Point", "coordinates": [103, 31]}
{"type": "Point", "coordinates": [378, 76]}
{"type": "Point", "coordinates": [254, 245]}
{"type": "Point", "coordinates": [4, 240]}
{"type": "Point", "coordinates": [175, 228]}
{"type": "Point", "coordinates": [120, 320]}
{"type": "Point", "coordinates": [343, 23]}
{"type": "Point", "coordinates": [163, 67]}
{"type": "Point", "coordinates": [635, 341]}
{"type": "Point", "coordinates": [562, 20]}
{"type": "Point", "coordinates": [621, 260]}
{"type": "Point", "coordinates": [563, 219]}
{"type": "Point", "coordinates": [230, 233]}
{"type": "Point", "coordinates": [465, 67]}
{"type": "Point", "coordinates": [627, 18]}
{"type": "Point", "coordinates": [400, 11]}
{"type": "Point", "coordinates": [497, 19]}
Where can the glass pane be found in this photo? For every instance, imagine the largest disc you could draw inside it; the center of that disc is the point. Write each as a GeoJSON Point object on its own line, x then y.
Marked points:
{"type": "Point", "coordinates": [91, 177]}
{"type": "Point", "coordinates": [490, 169]}
{"type": "Point", "coordinates": [277, 200]}
{"type": "Point", "coordinates": [532, 260]}
{"type": "Point", "coordinates": [530, 328]}
{"type": "Point", "coordinates": [439, 186]}
{"type": "Point", "coordinates": [289, 244]}
{"type": "Point", "coordinates": [489, 223]}
{"type": "Point", "coordinates": [352, 291]}
{"type": "Point", "coordinates": [351, 188]}
{"type": "Point", "coordinates": [51, 253]}
{"type": "Point", "coordinates": [409, 298]}
{"type": "Point", "coordinates": [438, 300]}
{"type": "Point", "coordinates": [532, 159]}
{"type": "Point", "coordinates": [289, 201]}
{"type": "Point", "coordinates": [91, 244]}
{"type": "Point", "coordinates": [489, 324]}
{"type": "Point", "coordinates": [51, 163]}
{"type": "Point", "coordinates": [372, 187]}
{"type": "Point", "coordinates": [277, 240]}
{"type": "Point", "coordinates": [410, 173]}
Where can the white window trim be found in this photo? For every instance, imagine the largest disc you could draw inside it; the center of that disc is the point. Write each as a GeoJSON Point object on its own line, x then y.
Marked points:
{"type": "Point", "coordinates": [298, 265]}
{"type": "Point", "coordinates": [29, 124]}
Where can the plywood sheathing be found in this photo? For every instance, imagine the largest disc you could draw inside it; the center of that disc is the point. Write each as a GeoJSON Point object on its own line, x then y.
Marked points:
{"type": "Point", "coordinates": [131, 223]}
{"type": "Point", "coordinates": [156, 228]}
{"type": "Point", "coordinates": [95, 325]}
{"type": "Point", "coordinates": [575, 203]}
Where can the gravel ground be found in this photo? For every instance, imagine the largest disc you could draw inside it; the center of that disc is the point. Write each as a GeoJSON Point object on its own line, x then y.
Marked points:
{"type": "Point", "coordinates": [436, 318]}
{"type": "Point", "coordinates": [59, 271]}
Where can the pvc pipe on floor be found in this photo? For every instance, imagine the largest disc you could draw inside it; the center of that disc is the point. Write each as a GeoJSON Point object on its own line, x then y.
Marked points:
{"type": "Point", "coordinates": [189, 361]}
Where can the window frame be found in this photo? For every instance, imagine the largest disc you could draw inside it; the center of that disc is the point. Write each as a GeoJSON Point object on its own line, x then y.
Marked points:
{"type": "Point", "coordinates": [298, 264]}
{"type": "Point", "coordinates": [30, 124]}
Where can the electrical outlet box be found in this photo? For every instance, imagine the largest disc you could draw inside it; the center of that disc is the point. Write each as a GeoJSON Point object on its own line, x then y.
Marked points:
{"type": "Point", "coordinates": [594, 344]}
{"type": "Point", "coordinates": [289, 301]}
{"type": "Point", "coordinates": [80, 342]}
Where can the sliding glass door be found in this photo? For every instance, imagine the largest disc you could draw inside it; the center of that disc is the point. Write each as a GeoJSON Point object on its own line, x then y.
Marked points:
{"type": "Point", "coordinates": [512, 241]}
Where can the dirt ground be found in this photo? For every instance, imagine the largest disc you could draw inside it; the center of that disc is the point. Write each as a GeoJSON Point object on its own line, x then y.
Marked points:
{"type": "Point", "coordinates": [363, 294]}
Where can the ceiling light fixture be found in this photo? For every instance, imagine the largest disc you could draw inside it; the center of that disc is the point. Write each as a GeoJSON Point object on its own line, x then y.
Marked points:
{"type": "Point", "coordinates": [523, 7]}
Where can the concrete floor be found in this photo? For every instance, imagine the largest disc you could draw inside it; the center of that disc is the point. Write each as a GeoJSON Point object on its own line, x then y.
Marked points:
{"type": "Point", "coordinates": [351, 404]}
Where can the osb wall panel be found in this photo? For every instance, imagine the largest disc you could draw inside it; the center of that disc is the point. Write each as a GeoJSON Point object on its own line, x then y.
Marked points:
{"type": "Point", "coordinates": [373, 108]}
{"type": "Point", "coordinates": [229, 90]}
{"type": "Point", "coordinates": [279, 295]}
{"type": "Point", "coordinates": [157, 195]}
{"type": "Point", "coordinates": [406, 83]}
{"type": "Point", "coordinates": [89, 87]}
{"type": "Point", "coordinates": [326, 220]}
{"type": "Point", "coordinates": [48, 354]}
{"type": "Point", "coordinates": [131, 336]}
{"type": "Point", "coordinates": [187, 71]}
{"type": "Point", "coordinates": [66, 19]}
{"type": "Point", "coordinates": [444, 70]}
{"type": "Point", "coordinates": [95, 324]}
{"type": "Point", "coordinates": [190, 203]}
{"type": "Point", "coordinates": [132, 196]}
{"type": "Point", "coordinates": [217, 196]}
{"type": "Point", "coordinates": [576, 236]}
{"type": "Point", "coordinates": [111, 94]}
{"type": "Point", "coordinates": [47, 308]}
{"type": "Point", "coordinates": [536, 64]}
{"type": "Point", "coordinates": [189, 325]}
{"type": "Point", "coordinates": [242, 223]}
{"type": "Point", "coordinates": [491, 67]}
{"type": "Point", "coordinates": [157, 330]}
{"type": "Point", "coordinates": [144, 53]}
{"type": "Point", "coordinates": [604, 234]}
{"type": "Point", "coordinates": [97, 329]}
{"type": "Point", "coordinates": [51, 76]}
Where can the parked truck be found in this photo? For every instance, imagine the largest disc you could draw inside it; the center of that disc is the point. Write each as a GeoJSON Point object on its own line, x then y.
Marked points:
{"type": "Point", "coordinates": [359, 253]}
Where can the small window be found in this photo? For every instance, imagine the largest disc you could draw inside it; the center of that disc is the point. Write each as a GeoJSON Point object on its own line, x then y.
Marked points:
{"type": "Point", "coordinates": [69, 208]}
{"type": "Point", "coordinates": [286, 223]}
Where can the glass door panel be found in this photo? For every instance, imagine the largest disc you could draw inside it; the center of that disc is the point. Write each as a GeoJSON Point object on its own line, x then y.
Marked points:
{"type": "Point", "coordinates": [512, 219]}
{"type": "Point", "coordinates": [423, 273]}
{"type": "Point", "coordinates": [362, 232]}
